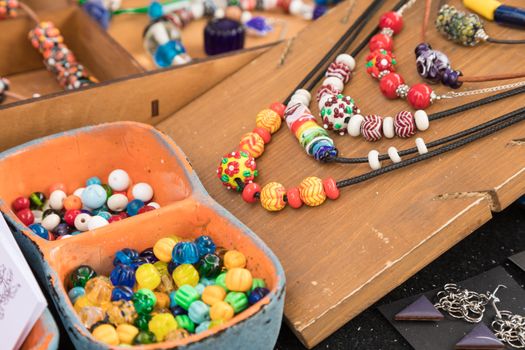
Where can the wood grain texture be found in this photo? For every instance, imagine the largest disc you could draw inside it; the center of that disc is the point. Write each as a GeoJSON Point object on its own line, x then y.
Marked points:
{"type": "Point", "coordinates": [341, 257]}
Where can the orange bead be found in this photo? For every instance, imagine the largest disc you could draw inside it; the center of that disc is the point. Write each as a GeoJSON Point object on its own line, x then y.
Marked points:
{"type": "Point", "coordinates": [272, 196]}
{"type": "Point", "coordinates": [269, 120]}
{"type": "Point", "coordinates": [72, 202]}
{"type": "Point", "coordinates": [248, 194]}
{"type": "Point", "coordinates": [294, 198]}
{"type": "Point", "coordinates": [238, 280]}
{"type": "Point", "coordinates": [330, 188]}
{"type": "Point", "coordinates": [57, 186]}
{"type": "Point", "coordinates": [163, 300]}
{"type": "Point", "coordinates": [234, 258]}
{"type": "Point", "coordinates": [213, 294]}
{"type": "Point", "coordinates": [252, 143]}
{"type": "Point", "coordinates": [312, 192]}
{"type": "Point", "coordinates": [265, 134]}
{"type": "Point", "coordinates": [221, 310]}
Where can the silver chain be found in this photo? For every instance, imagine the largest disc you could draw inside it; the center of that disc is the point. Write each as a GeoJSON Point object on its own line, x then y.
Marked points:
{"type": "Point", "coordinates": [510, 329]}
{"type": "Point", "coordinates": [454, 94]}
{"type": "Point", "coordinates": [462, 303]}
{"type": "Point", "coordinates": [405, 7]}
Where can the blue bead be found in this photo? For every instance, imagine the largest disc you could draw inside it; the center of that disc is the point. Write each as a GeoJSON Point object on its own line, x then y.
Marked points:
{"type": "Point", "coordinates": [200, 288]}
{"type": "Point", "coordinates": [510, 15]}
{"type": "Point", "coordinates": [98, 12]}
{"type": "Point", "coordinates": [185, 253]}
{"type": "Point", "coordinates": [205, 245]}
{"type": "Point", "coordinates": [125, 256]}
{"type": "Point", "coordinates": [205, 281]}
{"type": "Point", "coordinates": [257, 294]}
{"type": "Point", "coordinates": [171, 266]}
{"type": "Point", "coordinates": [202, 327]}
{"type": "Point", "coordinates": [199, 312]}
{"type": "Point", "coordinates": [93, 181]}
{"type": "Point", "coordinates": [149, 255]}
{"type": "Point", "coordinates": [94, 196]}
{"type": "Point", "coordinates": [74, 233]}
{"type": "Point", "coordinates": [104, 214]}
{"type": "Point", "coordinates": [123, 275]}
{"type": "Point", "coordinates": [103, 209]}
{"type": "Point", "coordinates": [133, 207]}
{"type": "Point", "coordinates": [137, 262]}
{"type": "Point", "coordinates": [177, 310]}
{"type": "Point", "coordinates": [75, 293]}
{"type": "Point", "coordinates": [39, 230]}
{"type": "Point", "coordinates": [62, 229]}
{"type": "Point", "coordinates": [121, 293]}
{"type": "Point", "coordinates": [155, 10]}
{"type": "Point", "coordinates": [165, 54]}
{"type": "Point", "coordinates": [173, 302]}
{"type": "Point", "coordinates": [319, 10]}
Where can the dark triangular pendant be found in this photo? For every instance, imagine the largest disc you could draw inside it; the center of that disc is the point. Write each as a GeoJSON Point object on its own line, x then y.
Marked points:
{"type": "Point", "coordinates": [420, 310]}
{"type": "Point", "coordinates": [480, 338]}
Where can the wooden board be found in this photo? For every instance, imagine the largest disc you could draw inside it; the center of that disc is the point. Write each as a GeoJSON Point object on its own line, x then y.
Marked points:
{"type": "Point", "coordinates": [343, 256]}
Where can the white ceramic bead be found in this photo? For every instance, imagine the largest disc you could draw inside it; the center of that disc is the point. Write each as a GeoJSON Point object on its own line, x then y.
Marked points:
{"type": "Point", "coordinates": [197, 10]}
{"type": "Point", "coordinates": [354, 125]}
{"type": "Point", "coordinates": [296, 7]}
{"type": "Point", "coordinates": [373, 160]}
{"type": "Point", "coordinates": [118, 180]}
{"type": "Point", "coordinates": [51, 221]}
{"type": "Point", "coordinates": [219, 13]}
{"type": "Point", "coordinates": [81, 221]}
{"type": "Point", "coordinates": [142, 191]}
{"type": "Point", "coordinates": [305, 93]}
{"type": "Point", "coordinates": [422, 122]}
{"type": "Point", "coordinates": [323, 100]}
{"type": "Point", "coordinates": [421, 147]}
{"type": "Point", "coordinates": [56, 199]}
{"type": "Point", "coordinates": [301, 99]}
{"type": "Point", "coordinates": [308, 12]}
{"type": "Point", "coordinates": [154, 205]}
{"type": "Point", "coordinates": [117, 202]}
{"type": "Point", "coordinates": [269, 4]}
{"type": "Point", "coordinates": [347, 60]}
{"type": "Point", "coordinates": [246, 16]}
{"type": "Point", "coordinates": [388, 127]}
{"type": "Point", "coordinates": [78, 192]}
{"type": "Point", "coordinates": [335, 82]}
{"type": "Point", "coordinates": [38, 216]}
{"type": "Point", "coordinates": [159, 33]}
{"type": "Point", "coordinates": [96, 222]}
{"type": "Point", "coordinates": [394, 156]}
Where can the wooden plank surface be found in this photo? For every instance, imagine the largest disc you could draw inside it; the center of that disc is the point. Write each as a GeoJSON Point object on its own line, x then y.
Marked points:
{"type": "Point", "coordinates": [341, 257]}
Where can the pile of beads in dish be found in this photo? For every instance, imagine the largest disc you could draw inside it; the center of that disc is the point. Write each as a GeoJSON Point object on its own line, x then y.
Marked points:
{"type": "Point", "coordinates": [167, 292]}
{"type": "Point", "coordinates": [87, 208]}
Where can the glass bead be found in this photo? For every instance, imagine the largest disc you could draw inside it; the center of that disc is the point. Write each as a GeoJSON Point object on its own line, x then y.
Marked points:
{"type": "Point", "coordinates": [56, 199]}
{"type": "Point", "coordinates": [26, 216]}
{"type": "Point", "coordinates": [162, 324]}
{"type": "Point", "coordinates": [312, 192]}
{"type": "Point", "coordinates": [149, 255]}
{"type": "Point", "coordinates": [205, 245]}
{"type": "Point", "coordinates": [121, 311]}
{"type": "Point", "coordinates": [234, 258]}
{"type": "Point", "coordinates": [117, 202]}
{"type": "Point", "coordinates": [119, 180]}
{"type": "Point", "coordinates": [163, 300]}
{"type": "Point", "coordinates": [199, 312]}
{"type": "Point", "coordinates": [185, 274]}
{"type": "Point", "coordinates": [139, 262]}
{"type": "Point", "coordinates": [125, 256]}
{"type": "Point", "coordinates": [40, 231]}
{"type": "Point", "coordinates": [93, 181]}
{"type": "Point", "coordinates": [109, 191]}
{"type": "Point", "coordinates": [209, 265]}
{"type": "Point", "coordinates": [176, 334]}
{"type": "Point", "coordinates": [126, 333]}
{"type": "Point", "coordinates": [81, 302]}
{"type": "Point", "coordinates": [79, 276]}
{"type": "Point", "coordinates": [37, 200]}
{"type": "Point", "coordinates": [216, 323]}
{"type": "Point", "coordinates": [185, 253]}
{"type": "Point", "coordinates": [173, 302]}
{"type": "Point", "coordinates": [121, 293]}
{"type": "Point", "coordinates": [142, 321]}
{"type": "Point", "coordinates": [147, 276]}
{"type": "Point", "coordinates": [213, 294]}
{"type": "Point", "coordinates": [62, 229]}
{"type": "Point", "coordinates": [89, 315]}
{"type": "Point", "coordinates": [237, 165]}
{"type": "Point", "coordinates": [186, 295]}
{"type": "Point", "coordinates": [199, 288]}
{"type": "Point", "coordinates": [72, 202]}
{"type": "Point", "coordinates": [163, 249]}
{"type": "Point", "coordinates": [202, 327]}
{"type": "Point", "coordinates": [98, 290]}
{"type": "Point", "coordinates": [238, 280]}
{"type": "Point", "coordinates": [144, 301]}
{"type": "Point", "coordinates": [257, 282]}
{"type": "Point", "coordinates": [171, 266]}
{"type": "Point", "coordinates": [94, 196]}
{"type": "Point", "coordinates": [177, 310]}
{"type": "Point", "coordinates": [20, 203]}
{"type": "Point", "coordinates": [205, 281]}
{"type": "Point", "coordinates": [144, 337]}
{"type": "Point", "coordinates": [70, 215]}
{"type": "Point", "coordinates": [107, 334]}
{"type": "Point", "coordinates": [237, 300]}
{"type": "Point", "coordinates": [75, 292]}
{"type": "Point", "coordinates": [142, 191]}
{"type": "Point", "coordinates": [185, 322]}
{"type": "Point", "coordinates": [133, 207]}
{"type": "Point", "coordinates": [221, 281]}
{"type": "Point", "coordinates": [221, 311]}
{"type": "Point", "coordinates": [81, 221]}
{"type": "Point", "coordinates": [257, 294]}
{"type": "Point", "coordinates": [104, 214]}
{"type": "Point", "coordinates": [123, 275]}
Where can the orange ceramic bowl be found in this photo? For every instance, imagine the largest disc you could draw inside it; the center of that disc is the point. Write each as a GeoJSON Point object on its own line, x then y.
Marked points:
{"type": "Point", "coordinates": [186, 210]}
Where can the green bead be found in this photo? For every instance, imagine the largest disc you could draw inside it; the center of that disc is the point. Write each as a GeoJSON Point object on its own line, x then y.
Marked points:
{"type": "Point", "coordinates": [37, 200]}
{"type": "Point", "coordinates": [258, 283]}
{"type": "Point", "coordinates": [109, 191]}
{"type": "Point", "coordinates": [142, 321]}
{"type": "Point", "coordinates": [237, 300]}
{"type": "Point", "coordinates": [209, 265]}
{"type": "Point", "coordinates": [221, 281]}
{"type": "Point", "coordinates": [144, 300]}
{"type": "Point", "coordinates": [185, 322]}
{"type": "Point", "coordinates": [81, 275]}
{"type": "Point", "coordinates": [145, 337]}
{"type": "Point", "coordinates": [186, 295]}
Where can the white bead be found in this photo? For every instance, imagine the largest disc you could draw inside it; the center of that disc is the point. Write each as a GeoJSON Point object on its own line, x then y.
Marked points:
{"type": "Point", "coordinates": [81, 221]}
{"type": "Point", "coordinates": [346, 59]}
{"type": "Point", "coordinates": [246, 16]}
{"type": "Point", "coordinates": [269, 4]}
{"type": "Point", "coordinates": [354, 125]}
{"type": "Point", "coordinates": [421, 147]}
{"type": "Point", "coordinates": [78, 192]}
{"type": "Point", "coordinates": [325, 97]}
{"type": "Point", "coordinates": [159, 33]}
{"type": "Point", "coordinates": [295, 7]}
{"type": "Point", "coordinates": [304, 93]}
{"type": "Point", "coordinates": [142, 191]}
{"type": "Point", "coordinates": [117, 202]}
{"type": "Point", "coordinates": [51, 222]}
{"type": "Point", "coordinates": [422, 121]}
{"type": "Point", "coordinates": [335, 82]}
{"type": "Point", "coordinates": [118, 180]}
{"type": "Point", "coordinates": [308, 12]}
{"type": "Point", "coordinates": [38, 216]}
{"type": "Point", "coordinates": [219, 13]}
{"type": "Point", "coordinates": [96, 222]}
{"type": "Point", "coordinates": [56, 199]}
{"type": "Point", "coordinates": [388, 127]}
{"type": "Point", "coordinates": [394, 156]}
{"type": "Point", "coordinates": [154, 205]}
{"type": "Point", "coordinates": [373, 160]}
{"type": "Point", "coordinates": [301, 99]}
{"type": "Point", "coordinates": [197, 9]}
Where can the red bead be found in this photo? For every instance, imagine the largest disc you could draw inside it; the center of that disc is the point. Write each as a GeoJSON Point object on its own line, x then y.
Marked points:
{"type": "Point", "coordinates": [278, 108]}
{"type": "Point", "coordinates": [20, 203]}
{"type": "Point", "coordinates": [389, 84]}
{"type": "Point", "coordinates": [248, 194]}
{"type": "Point", "coordinates": [381, 41]}
{"type": "Point", "coordinates": [265, 134]}
{"type": "Point", "coordinates": [145, 209]}
{"type": "Point", "coordinates": [70, 215]}
{"type": "Point", "coordinates": [123, 214]}
{"type": "Point", "coordinates": [330, 188]}
{"type": "Point", "coordinates": [293, 197]}
{"type": "Point", "coordinates": [392, 20]}
{"type": "Point", "coordinates": [115, 218]}
{"type": "Point", "coordinates": [26, 216]}
{"type": "Point", "coordinates": [419, 96]}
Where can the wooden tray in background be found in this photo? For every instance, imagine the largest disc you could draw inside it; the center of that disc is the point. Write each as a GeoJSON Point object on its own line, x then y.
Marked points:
{"type": "Point", "coordinates": [343, 256]}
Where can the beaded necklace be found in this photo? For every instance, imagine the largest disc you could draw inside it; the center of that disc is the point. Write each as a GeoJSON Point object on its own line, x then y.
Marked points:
{"type": "Point", "coordinates": [238, 170]}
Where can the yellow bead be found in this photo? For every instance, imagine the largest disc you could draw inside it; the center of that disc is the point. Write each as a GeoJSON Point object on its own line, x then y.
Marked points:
{"type": "Point", "coordinates": [268, 120]}
{"type": "Point", "coordinates": [237, 165]}
{"type": "Point", "coordinates": [485, 8]}
{"type": "Point", "coordinates": [185, 274]}
{"type": "Point", "coordinates": [221, 310]}
{"type": "Point", "coordinates": [147, 276]}
{"type": "Point", "coordinates": [161, 325]}
{"type": "Point", "coordinates": [272, 196]}
{"type": "Point", "coordinates": [234, 258]}
{"type": "Point", "coordinates": [98, 290]}
{"type": "Point", "coordinates": [213, 294]}
{"type": "Point", "coordinates": [126, 333]}
{"type": "Point", "coordinates": [215, 323]}
{"type": "Point", "coordinates": [239, 280]}
{"type": "Point", "coordinates": [163, 300]}
{"type": "Point", "coordinates": [177, 334]}
{"type": "Point", "coordinates": [107, 334]}
{"type": "Point", "coordinates": [121, 311]}
{"type": "Point", "coordinates": [82, 302]}
{"type": "Point", "coordinates": [304, 127]}
{"type": "Point", "coordinates": [163, 248]}
{"type": "Point", "coordinates": [252, 143]}
{"type": "Point", "coordinates": [312, 192]}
